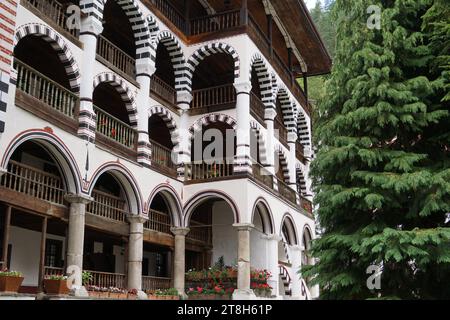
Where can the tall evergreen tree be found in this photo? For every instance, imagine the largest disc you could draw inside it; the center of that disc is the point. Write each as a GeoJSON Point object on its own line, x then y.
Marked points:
{"type": "Point", "coordinates": [382, 173]}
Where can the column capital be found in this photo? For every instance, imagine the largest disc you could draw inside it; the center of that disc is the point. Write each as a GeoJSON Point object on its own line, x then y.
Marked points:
{"type": "Point", "coordinates": [3, 171]}
{"type": "Point", "coordinates": [243, 87]}
{"type": "Point", "coordinates": [184, 98]}
{"type": "Point", "coordinates": [244, 226]}
{"type": "Point", "coordinates": [145, 67]}
{"type": "Point", "coordinates": [292, 137]}
{"type": "Point", "coordinates": [91, 25]}
{"type": "Point", "coordinates": [179, 231]}
{"type": "Point", "coordinates": [78, 198]}
{"type": "Point", "coordinates": [296, 248]}
{"type": "Point", "coordinates": [272, 237]}
{"type": "Point", "coordinates": [136, 218]}
{"type": "Point", "coordinates": [270, 114]}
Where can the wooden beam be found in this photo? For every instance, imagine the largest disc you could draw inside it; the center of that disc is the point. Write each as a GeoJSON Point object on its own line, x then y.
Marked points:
{"type": "Point", "coordinates": [187, 16]}
{"type": "Point", "coordinates": [244, 13]}
{"type": "Point", "coordinates": [42, 255]}
{"type": "Point", "coordinates": [6, 237]}
{"type": "Point", "coordinates": [270, 33]}
{"type": "Point", "coordinates": [305, 85]}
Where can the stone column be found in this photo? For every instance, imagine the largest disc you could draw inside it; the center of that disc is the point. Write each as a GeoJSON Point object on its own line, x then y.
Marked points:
{"type": "Point", "coordinates": [292, 138]}
{"type": "Point", "coordinates": [272, 242]}
{"type": "Point", "coordinates": [90, 29]}
{"type": "Point", "coordinates": [296, 260]}
{"type": "Point", "coordinates": [242, 163]}
{"type": "Point", "coordinates": [183, 151]}
{"type": "Point", "coordinates": [145, 69]}
{"type": "Point", "coordinates": [179, 260]}
{"type": "Point", "coordinates": [243, 291]}
{"type": "Point", "coordinates": [75, 240]}
{"type": "Point", "coordinates": [135, 253]}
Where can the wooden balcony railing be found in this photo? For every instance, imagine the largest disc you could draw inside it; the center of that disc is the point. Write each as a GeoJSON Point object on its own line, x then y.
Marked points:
{"type": "Point", "coordinates": [107, 280]}
{"type": "Point", "coordinates": [280, 65]}
{"type": "Point", "coordinates": [282, 133]}
{"type": "Point", "coordinates": [52, 271]}
{"type": "Point", "coordinates": [216, 22]}
{"type": "Point", "coordinates": [116, 56]}
{"type": "Point", "coordinates": [107, 206]}
{"type": "Point", "coordinates": [158, 221]}
{"type": "Point", "coordinates": [56, 12]}
{"type": "Point", "coordinates": [306, 204]}
{"type": "Point", "coordinates": [257, 108]}
{"type": "Point", "coordinates": [214, 96]}
{"type": "Point", "coordinates": [287, 192]}
{"type": "Point", "coordinates": [162, 90]}
{"type": "Point", "coordinates": [262, 175]}
{"type": "Point", "coordinates": [115, 129]}
{"type": "Point", "coordinates": [35, 84]}
{"type": "Point", "coordinates": [171, 13]}
{"type": "Point", "coordinates": [33, 182]}
{"type": "Point", "coordinates": [200, 232]}
{"type": "Point", "coordinates": [300, 151]}
{"type": "Point", "coordinates": [155, 283]}
{"type": "Point", "coordinates": [206, 171]}
{"type": "Point", "coordinates": [162, 157]}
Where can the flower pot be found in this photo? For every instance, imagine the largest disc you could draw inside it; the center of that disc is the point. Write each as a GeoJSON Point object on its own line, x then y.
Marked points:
{"type": "Point", "coordinates": [131, 296]}
{"type": "Point", "coordinates": [56, 287]}
{"type": "Point", "coordinates": [10, 284]}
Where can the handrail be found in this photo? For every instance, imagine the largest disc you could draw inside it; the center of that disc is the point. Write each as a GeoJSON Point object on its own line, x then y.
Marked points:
{"type": "Point", "coordinates": [107, 279]}
{"type": "Point", "coordinates": [114, 128]}
{"type": "Point", "coordinates": [213, 96]}
{"type": "Point", "coordinates": [158, 221]}
{"type": "Point", "coordinates": [215, 22]}
{"type": "Point", "coordinates": [116, 56]}
{"type": "Point", "coordinates": [163, 90]}
{"type": "Point", "coordinates": [151, 283]}
{"type": "Point", "coordinates": [205, 171]}
{"type": "Point", "coordinates": [196, 232]}
{"type": "Point", "coordinates": [34, 83]}
{"type": "Point", "coordinates": [107, 206]}
{"type": "Point", "coordinates": [257, 107]}
{"type": "Point", "coordinates": [162, 156]}
{"type": "Point", "coordinates": [287, 192]}
{"type": "Point", "coordinates": [262, 175]}
{"type": "Point", "coordinates": [171, 12]}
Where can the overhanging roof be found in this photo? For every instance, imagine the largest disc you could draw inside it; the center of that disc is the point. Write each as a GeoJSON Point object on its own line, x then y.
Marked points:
{"type": "Point", "coordinates": [296, 18]}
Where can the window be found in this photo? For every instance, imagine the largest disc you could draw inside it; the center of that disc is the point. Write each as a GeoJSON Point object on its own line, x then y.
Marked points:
{"type": "Point", "coordinates": [53, 253]}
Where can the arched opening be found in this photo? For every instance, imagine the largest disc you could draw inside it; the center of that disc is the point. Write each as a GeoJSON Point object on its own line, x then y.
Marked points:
{"type": "Point", "coordinates": [113, 119]}
{"type": "Point", "coordinates": [211, 222]}
{"type": "Point", "coordinates": [44, 77]}
{"type": "Point", "coordinates": [212, 82]}
{"type": "Point", "coordinates": [259, 247]}
{"type": "Point", "coordinates": [257, 106]}
{"type": "Point", "coordinates": [164, 66]}
{"type": "Point", "coordinates": [116, 45]}
{"type": "Point", "coordinates": [34, 185]}
{"type": "Point", "coordinates": [288, 237]}
{"type": "Point", "coordinates": [282, 168]}
{"type": "Point", "coordinates": [212, 151]}
{"type": "Point", "coordinates": [306, 245]}
{"type": "Point", "coordinates": [279, 123]}
{"type": "Point", "coordinates": [161, 141]}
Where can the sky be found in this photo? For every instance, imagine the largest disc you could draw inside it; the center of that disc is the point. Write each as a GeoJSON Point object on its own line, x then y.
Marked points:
{"type": "Point", "coordinates": [311, 3]}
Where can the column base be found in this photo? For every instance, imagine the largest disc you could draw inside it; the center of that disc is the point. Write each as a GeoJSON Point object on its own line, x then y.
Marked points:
{"type": "Point", "coordinates": [79, 292]}
{"type": "Point", "coordinates": [244, 294]}
{"type": "Point", "coordinates": [141, 295]}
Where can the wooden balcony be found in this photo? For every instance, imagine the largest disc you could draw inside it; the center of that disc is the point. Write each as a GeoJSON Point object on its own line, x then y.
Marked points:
{"type": "Point", "coordinates": [33, 182]}
{"type": "Point", "coordinates": [107, 280]}
{"type": "Point", "coordinates": [257, 109]}
{"type": "Point", "coordinates": [115, 129]}
{"type": "Point", "coordinates": [155, 283]}
{"type": "Point", "coordinates": [163, 92]}
{"type": "Point", "coordinates": [282, 133]}
{"type": "Point", "coordinates": [116, 57]}
{"type": "Point", "coordinates": [218, 22]}
{"type": "Point", "coordinates": [300, 152]}
{"type": "Point", "coordinates": [220, 97]}
{"type": "Point", "coordinates": [200, 232]}
{"type": "Point", "coordinates": [158, 221]}
{"type": "Point", "coordinates": [287, 192]}
{"type": "Point", "coordinates": [205, 171]}
{"type": "Point", "coordinates": [52, 271]}
{"type": "Point", "coordinates": [53, 13]}
{"type": "Point", "coordinates": [107, 206]}
{"type": "Point", "coordinates": [307, 205]}
{"type": "Point", "coordinates": [49, 92]}
{"type": "Point", "coordinates": [162, 159]}
{"type": "Point", "coordinates": [170, 12]}
{"type": "Point", "coordinates": [262, 175]}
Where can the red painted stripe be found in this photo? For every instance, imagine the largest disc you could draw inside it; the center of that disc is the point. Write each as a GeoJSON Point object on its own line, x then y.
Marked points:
{"type": "Point", "coordinates": [5, 50]}
{"type": "Point", "coordinates": [8, 30]}
{"type": "Point", "coordinates": [12, 2]}
{"type": "Point", "coordinates": [6, 19]}
{"type": "Point", "coordinates": [7, 9]}
{"type": "Point", "coordinates": [5, 60]}
{"type": "Point", "coordinates": [6, 39]}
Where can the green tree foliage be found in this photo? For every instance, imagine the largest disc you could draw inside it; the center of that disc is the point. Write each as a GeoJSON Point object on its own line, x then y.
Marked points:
{"type": "Point", "coordinates": [382, 172]}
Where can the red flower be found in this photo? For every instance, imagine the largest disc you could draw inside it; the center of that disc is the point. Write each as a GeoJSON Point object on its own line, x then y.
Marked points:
{"type": "Point", "coordinates": [199, 289]}
{"type": "Point", "coordinates": [113, 132]}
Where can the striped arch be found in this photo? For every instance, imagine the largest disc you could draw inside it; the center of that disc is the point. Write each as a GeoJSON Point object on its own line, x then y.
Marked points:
{"type": "Point", "coordinates": [255, 127]}
{"type": "Point", "coordinates": [127, 181]}
{"type": "Point", "coordinates": [137, 21]}
{"type": "Point", "coordinates": [266, 215]}
{"type": "Point", "coordinates": [301, 181]}
{"type": "Point", "coordinates": [176, 53]}
{"type": "Point", "coordinates": [125, 93]}
{"type": "Point", "coordinates": [153, 27]}
{"type": "Point", "coordinates": [58, 44]}
{"type": "Point", "coordinates": [288, 221]}
{"type": "Point", "coordinates": [288, 109]}
{"type": "Point", "coordinates": [166, 116]}
{"type": "Point", "coordinates": [303, 128]}
{"type": "Point", "coordinates": [264, 79]}
{"type": "Point", "coordinates": [283, 162]}
{"type": "Point", "coordinates": [173, 203]}
{"type": "Point", "coordinates": [185, 82]}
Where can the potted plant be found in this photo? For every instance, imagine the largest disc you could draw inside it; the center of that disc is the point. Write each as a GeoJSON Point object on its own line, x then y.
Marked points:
{"type": "Point", "coordinates": [56, 285]}
{"type": "Point", "coordinates": [10, 281]}
{"type": "Point", "coordinates": [167, 294]}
